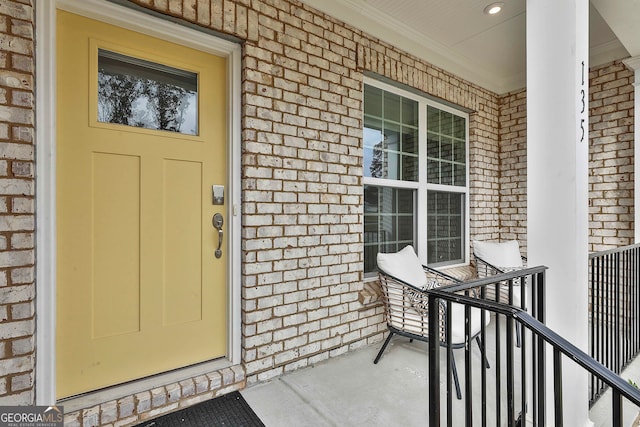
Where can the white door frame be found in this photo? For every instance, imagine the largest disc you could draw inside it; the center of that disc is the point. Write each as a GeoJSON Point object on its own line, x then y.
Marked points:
{"type": "Point", "coordinates": [45, 143]}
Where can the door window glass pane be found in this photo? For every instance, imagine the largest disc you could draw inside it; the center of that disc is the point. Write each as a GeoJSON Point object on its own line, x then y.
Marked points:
{"type": "Point", "coordinates": [144, 94]}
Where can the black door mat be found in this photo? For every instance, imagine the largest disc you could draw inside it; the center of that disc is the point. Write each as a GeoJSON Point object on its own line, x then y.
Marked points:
{"type": "Point", "coordinates": [229, 410]}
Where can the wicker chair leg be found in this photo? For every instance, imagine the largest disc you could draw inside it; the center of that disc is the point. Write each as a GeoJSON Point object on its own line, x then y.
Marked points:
{"type": "Point", "coordinates": [384, 346]}
{"type": "Point", "coordinates": [481, 347]}
{"type": "Point", "coordinates": [454, 372]}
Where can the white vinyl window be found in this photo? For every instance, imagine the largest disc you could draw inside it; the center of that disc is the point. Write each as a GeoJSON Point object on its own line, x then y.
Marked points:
{"type": "Point", "coordinates": [415, 177]}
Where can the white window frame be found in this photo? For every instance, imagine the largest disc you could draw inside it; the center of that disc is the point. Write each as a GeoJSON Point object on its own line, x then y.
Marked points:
{"type": "Point", "coordinates": [422, 186]}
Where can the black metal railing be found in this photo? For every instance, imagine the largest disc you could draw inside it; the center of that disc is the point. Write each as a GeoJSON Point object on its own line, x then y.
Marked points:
{"type": "Point", "coordinates": [512, 385]}
{"type": "Point", "coordinates": [614, 311]}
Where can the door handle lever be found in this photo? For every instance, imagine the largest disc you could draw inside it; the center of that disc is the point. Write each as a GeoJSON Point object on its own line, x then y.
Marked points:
{"type": "Point", "coordinates": [217, 221]}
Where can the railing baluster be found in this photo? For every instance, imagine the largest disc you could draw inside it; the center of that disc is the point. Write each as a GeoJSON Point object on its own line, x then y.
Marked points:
{"type": "Point", "coordinates": [615, 292]}
{"type": "Point", "coordinates": [636, 291]}
{"type": "Point", "coordinates": [523, 354]}
{"type": "Point", "coordinates": [498, 363]}
{"type": "Point", "coordinates": [629, 306]}
{"type": "Point", "coordinates": [616, 403]}
{"type": "Point", "coordinates": [597, 322]}
{"type": "Point", "coordinates": [632, 305]}
{"type": "Point", "coordinates": [449, 366]}
{"type": "Point", "coordinates": [483, 355]}
{"type": "Point", "coordinates": [557, 387]}
{"type": "Point", "coordinates": [434, 362]}
{"type": "Point", "coordinates": [540, 316]}
{"type": "Point", "coordinates": [523, 372]}
{"type": "Point", "coordinates": [622, 317]}
{"type": "Point", "coordinates": [604, 343]}
{"type": "Point", "coordinates": [534, 366]}
{"type": "Point", "coordinates": [468, 398]}
{"type": "Point", "coordinates": [634, 300]}
{"type": "Point", "coordinates": [626, 308]}
{"type": "Point", "coordinates": [510, 377]}
{"type": "Point", "coordinates": [615, 311]}
{"type": "Point", "coordinates": [592, 319]}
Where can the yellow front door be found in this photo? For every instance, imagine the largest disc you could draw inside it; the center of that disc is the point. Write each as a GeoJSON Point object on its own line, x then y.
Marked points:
{"type": "Point", "coordinates": [140, 142]}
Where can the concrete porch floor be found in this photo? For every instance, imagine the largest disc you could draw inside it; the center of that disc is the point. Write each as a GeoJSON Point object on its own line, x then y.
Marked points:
{"type": "Point", "coordinates": [349, 390]}
{"type": "Point", "coordinates": [600, 413]}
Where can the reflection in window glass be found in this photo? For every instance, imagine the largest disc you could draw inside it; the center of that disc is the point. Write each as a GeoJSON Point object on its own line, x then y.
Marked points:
{"type": "Point", "coordinates": [390, 136]}
{"type": "Point", "coordinates": [144, 94]}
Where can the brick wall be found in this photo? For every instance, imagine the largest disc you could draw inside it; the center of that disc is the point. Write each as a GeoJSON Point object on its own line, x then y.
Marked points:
{"type": "Point", "coordinates": [17, 288]}
{"type": "Point", "coordinates": [513, 167]}
{"type": "Point", "coordinates": [611, 177]}
{"type": "Point", "coordinates": [611, 163]}
{"type": "Point", "coordinates": [484, 164]}
{"type": "Point", "coordinates": [302, 173]}
{"type": "Point", "coordinates": [302, 185]}
{"type": "Point", "coordinates": [302, 193]}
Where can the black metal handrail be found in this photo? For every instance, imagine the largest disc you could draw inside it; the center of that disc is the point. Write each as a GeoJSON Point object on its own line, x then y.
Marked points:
{"type": "Point", "coordinates": [614, 310]}
{"type": "Point", "coordinates": [531, 358]}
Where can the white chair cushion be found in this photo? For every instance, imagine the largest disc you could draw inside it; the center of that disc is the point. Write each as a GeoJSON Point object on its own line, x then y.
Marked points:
{"type": "Point", "coordinates": [504, 255]}
{"type": "Point", "coordinates": [458, 325]}
{"type": "Point", "coordinates": [403, 265]}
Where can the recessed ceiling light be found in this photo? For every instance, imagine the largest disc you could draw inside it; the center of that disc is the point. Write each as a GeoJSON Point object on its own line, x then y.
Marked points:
{"type": "Point", "coordinates": [493, 8]}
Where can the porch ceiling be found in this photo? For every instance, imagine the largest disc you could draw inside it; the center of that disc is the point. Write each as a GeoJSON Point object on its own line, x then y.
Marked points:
{"type": "Point", "coordinates": [487, 50]}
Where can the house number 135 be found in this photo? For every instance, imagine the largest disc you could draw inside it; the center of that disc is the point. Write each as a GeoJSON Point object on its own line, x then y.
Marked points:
{"type": "Point", "coordinates": [583, 102]}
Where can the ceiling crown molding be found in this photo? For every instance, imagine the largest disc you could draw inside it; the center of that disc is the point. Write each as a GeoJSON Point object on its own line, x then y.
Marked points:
{"type": "Point", "coordinates": [358, 14]}
{"type": "Point", "coordinates": [633, 63]}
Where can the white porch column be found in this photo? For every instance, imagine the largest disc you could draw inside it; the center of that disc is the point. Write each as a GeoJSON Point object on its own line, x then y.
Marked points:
{"type": "Point", "coordinates": [634, 64]}
{"type": "Point", "coordinates": [557, 180]}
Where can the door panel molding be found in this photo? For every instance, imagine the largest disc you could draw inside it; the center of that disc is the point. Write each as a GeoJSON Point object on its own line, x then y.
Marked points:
{"type": "Point", "coordinates": [46, 165]}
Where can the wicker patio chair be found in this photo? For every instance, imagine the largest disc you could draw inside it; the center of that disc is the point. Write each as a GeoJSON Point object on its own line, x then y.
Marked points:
{"type": "Point", "coordinates": [403, 281]}
{"type": "Point", "coordinates": [496, 258]}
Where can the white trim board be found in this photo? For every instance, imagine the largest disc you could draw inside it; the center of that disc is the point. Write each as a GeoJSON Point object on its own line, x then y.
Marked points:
{"type": "Point", "coordinates": [45, 144]}
{"type": "Point", "coordinates": [634, 65]}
